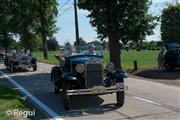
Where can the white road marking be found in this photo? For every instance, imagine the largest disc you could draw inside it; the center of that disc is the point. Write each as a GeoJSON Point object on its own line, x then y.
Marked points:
{"type": "Point", "coordinates": [33, 98]}
{"type": "Point", "coordinates": [146, 100]}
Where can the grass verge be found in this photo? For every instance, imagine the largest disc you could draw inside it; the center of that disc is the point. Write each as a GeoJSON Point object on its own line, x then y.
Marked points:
{"type": "Point", "coordinates": [146, 58]}
{"type": "Point", "coordinates": [10, 100]}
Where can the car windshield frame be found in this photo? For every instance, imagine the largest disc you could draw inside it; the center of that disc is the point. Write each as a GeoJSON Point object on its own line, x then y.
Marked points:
{"type": "Point", "coordinates": [83, 50]}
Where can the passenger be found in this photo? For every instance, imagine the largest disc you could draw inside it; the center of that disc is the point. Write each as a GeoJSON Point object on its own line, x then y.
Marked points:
{"type": "Point", "coordinates": [161, 59]}
{"type": "Point", "coordinates": [68, 50]}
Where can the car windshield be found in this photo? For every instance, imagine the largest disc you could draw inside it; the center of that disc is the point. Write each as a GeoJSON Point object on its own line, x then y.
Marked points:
{"type": "Point", "coordinates": [84, 50]}
{"type": "Point", "coordinates": [20, 51]}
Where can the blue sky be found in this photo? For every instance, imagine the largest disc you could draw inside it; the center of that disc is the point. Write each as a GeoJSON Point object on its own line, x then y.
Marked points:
{"type": "Point", "coordinates": [65, 22]}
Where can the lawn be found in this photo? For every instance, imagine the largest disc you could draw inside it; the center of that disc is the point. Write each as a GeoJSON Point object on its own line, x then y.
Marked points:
{"type": "Point", "coordinates": [145, 58]}
{"type": "Point", "coordinates": [10, 100]}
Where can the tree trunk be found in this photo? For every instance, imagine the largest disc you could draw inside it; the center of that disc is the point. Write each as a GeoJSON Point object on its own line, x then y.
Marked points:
{"type": "Point", "coordinates": [43, 31]}
{"type": "Point", "coordinates": [115, 51]}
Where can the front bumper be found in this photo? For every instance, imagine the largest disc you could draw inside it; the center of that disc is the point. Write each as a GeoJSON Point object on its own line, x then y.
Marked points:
{"type": "Point", "coordinates": [94, 91]}
{"type": "Point", "coordinates": [24, 66]}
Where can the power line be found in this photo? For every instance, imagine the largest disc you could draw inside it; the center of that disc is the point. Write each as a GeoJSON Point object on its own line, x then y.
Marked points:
{"type": "Point", "coordinates": [65, 4]}
{"type": "Point", "coordinates": [69, 4]}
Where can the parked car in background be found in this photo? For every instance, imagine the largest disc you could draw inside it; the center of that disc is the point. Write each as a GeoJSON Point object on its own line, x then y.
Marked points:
{"type": "Point", "coordinates": [2, 53]}
{"type": "Point", "coordinates": [15, 59]}
{"type": "Point", "coordinates": [172, 56]}
{"type": "Point", "coordinates": [83, 73]}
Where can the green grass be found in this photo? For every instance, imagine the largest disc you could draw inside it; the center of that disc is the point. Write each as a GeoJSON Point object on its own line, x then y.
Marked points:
{"type": "Point", "coordinates": [10, 100]}
{"type": "Point", "coordinates": [146, 58]}
{"type": "Point", "coordinates": [51, 60]}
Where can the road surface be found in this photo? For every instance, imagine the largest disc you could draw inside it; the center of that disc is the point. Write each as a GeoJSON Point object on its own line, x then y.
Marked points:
{"type": "Point", "coordinates": [143, 99]}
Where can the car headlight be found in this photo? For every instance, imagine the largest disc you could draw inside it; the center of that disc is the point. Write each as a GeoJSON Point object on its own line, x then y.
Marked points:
{"type": "Point", "coordinates": [110, 67]}
{"type": "Point", "coordinates": [80, 68]}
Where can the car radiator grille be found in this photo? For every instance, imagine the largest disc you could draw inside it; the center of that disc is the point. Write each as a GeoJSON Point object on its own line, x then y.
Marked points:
{"type": "Point", "coordinates": [93, 74]}
{"type": "Point", "coordinates": [23, 60]}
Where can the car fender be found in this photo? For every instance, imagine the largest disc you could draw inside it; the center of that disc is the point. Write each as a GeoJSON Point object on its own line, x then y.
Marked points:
{"type": "Point", "coordinates": [69, 77]}
{"type": "Point", "coordinates": [33, 61]}
{"type": "Point", "coordinates": [56, 73]}
{"type": "Point", "coordinates": [119, 74]}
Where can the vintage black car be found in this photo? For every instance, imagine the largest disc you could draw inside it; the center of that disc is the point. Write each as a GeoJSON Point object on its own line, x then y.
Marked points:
{"type": "Point", "coordinates": [83, 74]}
{"type": "Point", "coordinates": [15, 59]}
{"type": "Point", "coordinates": [172, 56]}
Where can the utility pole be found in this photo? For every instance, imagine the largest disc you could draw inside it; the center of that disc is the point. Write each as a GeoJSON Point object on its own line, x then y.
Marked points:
{"type": "Point", "coordinates": [76, 23]}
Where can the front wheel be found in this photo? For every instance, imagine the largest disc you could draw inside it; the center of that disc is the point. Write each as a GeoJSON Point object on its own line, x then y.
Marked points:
{"type": "Point", "coordinates": [67, 101]}
{"type": "Point", "coordinates": [168, 67]}
{"type": "Point", "coordinates": [35, 68]}
{"type": "Point", "coordinates": [120, 98]}
{"type": "Point", "coordinates": [56, 90]}
{"type": "Point", "coordinates": [120, 95]}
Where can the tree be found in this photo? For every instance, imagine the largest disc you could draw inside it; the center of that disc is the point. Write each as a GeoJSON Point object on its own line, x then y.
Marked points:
{"type": "Point", "coordinates": [47, 13]}
{"type": "Point", "coordinates": [6, 41]}
{"type": "Point", "coordinates": [119, 21]}
{"type": "Point", "coordinates": [19, 18]}
{"type": "Point", "coordinates": [53, 44]}
{"type": "Point", "coordinates": [5, 25]}
{"type": "Point", "coordinates": [81, 42]}
{"type": "Point", "coordinates": [30, 19]}
{"type": "Point", "coordinates": [170, 24]}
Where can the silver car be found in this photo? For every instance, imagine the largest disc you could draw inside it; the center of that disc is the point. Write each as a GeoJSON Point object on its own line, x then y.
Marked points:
{"type": "Point", "coordinates": [20, 59]}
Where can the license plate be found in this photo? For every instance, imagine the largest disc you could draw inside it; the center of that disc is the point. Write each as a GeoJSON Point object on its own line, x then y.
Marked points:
{"type": "Point", "coordinates": [98, 89]}
{"type": "Point", "coordinates": [120, 85]}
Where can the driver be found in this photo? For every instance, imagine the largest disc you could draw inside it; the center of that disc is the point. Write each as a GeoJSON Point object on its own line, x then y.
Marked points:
{"type": "Point", "coordinates": [91, 49]}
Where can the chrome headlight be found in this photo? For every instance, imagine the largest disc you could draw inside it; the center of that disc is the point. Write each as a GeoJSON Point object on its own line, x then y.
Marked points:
{"type": "Point", "coordinates": [80, 68]}
{"type": "Point", "coordinates": [110, 67]}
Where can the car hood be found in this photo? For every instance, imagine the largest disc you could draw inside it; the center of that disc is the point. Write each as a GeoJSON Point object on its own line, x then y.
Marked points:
{"type": "Point", "coordinates": [172, 46]}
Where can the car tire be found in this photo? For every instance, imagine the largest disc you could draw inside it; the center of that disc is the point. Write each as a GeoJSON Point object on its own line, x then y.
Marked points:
{"type": "Point", "coordinates": [35, 68]}
{"type": "Point", "coordinates": [67, 100]}
{"type": "Point", "coordinates": [56, 90]}
{"type": "Point", "coordinates": [168, 67]}
{"type": "Point", "coordinates": [120, 96]}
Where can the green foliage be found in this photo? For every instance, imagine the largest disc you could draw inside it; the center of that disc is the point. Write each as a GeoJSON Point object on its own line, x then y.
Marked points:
{"type": "Point", "coordinates": [6, 41]}
{"type": "Point", "coordinates": [24, 18]}
{"type": "Point", "coordinates": [127, 20]}
{"type": "Point", "coordinates": [170, 23]}
{"type": "Point", "coordinates": [145, 45]}
{"type": "Point", "coordinates": [81, 42]}
{"type": "Point", "coordinates": [52, 44]}
{"type": "Point", "coordinates": [119, 20]}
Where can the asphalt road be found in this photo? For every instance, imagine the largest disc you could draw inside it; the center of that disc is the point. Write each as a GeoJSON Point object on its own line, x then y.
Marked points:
{"type": "Point", "coordinates": [143, 100]}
